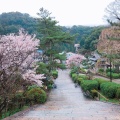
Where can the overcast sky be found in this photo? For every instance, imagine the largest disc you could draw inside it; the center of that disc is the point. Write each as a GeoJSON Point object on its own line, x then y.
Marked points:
{"type": "Point", "coordinates": [66, 12]}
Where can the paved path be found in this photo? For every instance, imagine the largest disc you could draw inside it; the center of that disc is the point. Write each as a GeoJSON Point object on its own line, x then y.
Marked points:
{"type": "Point", "coordinates": [68, 103]}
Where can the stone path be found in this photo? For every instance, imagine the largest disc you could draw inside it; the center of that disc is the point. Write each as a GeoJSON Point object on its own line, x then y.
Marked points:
{"type": "Point", "coordinates": [68, 103]}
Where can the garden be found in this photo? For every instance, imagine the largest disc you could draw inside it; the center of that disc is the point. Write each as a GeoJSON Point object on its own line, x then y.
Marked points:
{"type": "Point", "coordinates": [97, 88]}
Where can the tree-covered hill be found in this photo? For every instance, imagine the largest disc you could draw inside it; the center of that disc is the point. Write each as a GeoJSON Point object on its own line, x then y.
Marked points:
{"type": "Point", "coordinates": [11, 23]}
{"type": "Point", "coordinates": [87, 36]}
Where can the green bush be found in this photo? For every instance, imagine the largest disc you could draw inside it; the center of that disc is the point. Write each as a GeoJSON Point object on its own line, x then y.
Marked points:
{"type": "Point", "coordinates": [101, 70]}
{"type": "Point", "coordinates": [55, 74]}
{"type": "Point", "coordinates": [42, 68]}
{"type": "Point", "coordinates": [73, 70]}
{"type": "Point", "coordinates": [74, 77]}
{"type": "Point", "coordinates": [108, 70]}
{"type": "Point", "coordinates": [32, 86]}
{"type": "Point", "coordinates": [49, 87]}
{"type": "Point", "coordinates": [50, 84]}
{"type": "Point", "coordinates": [109, 89]}
{"type": "Point", "coordinates": [79, 80]}
{"type": "Point", "coordinates": [100, 81]}
{"type": "Point", "coordinates": [114, 75]}
{"type": "Point", "coordinates": [84, 77]}
{"type": "Point", "coordinates": [118, 93]}
{"type": "Point", "coordinates": [36, 95]}
{"type": "Point", "coordinates": [62, 66]}
{"type": "Point", "coordinates": [88, 85]}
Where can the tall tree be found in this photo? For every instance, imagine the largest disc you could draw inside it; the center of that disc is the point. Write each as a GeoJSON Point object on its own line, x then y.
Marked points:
{"type": "Point", "coordinates": [51, 36]}
{"type": "Point", "coordinates": [16, 63]}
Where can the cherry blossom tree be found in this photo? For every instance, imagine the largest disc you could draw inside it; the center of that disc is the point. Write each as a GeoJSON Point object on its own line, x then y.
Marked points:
{"type": "Point", "coordinates": [74, 60]}
{"type": "Point", "coordinates": [17, 63]}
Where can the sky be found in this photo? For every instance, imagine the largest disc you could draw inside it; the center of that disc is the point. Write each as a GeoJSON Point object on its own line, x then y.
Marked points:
{"type": "Point", "coordinates": [66, 12]}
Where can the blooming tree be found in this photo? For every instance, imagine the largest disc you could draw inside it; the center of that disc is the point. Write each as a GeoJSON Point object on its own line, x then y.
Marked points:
{"type": "Point", "coordinates": [75, 60]}
{"type": "Point", "coordinates": [17, 62]}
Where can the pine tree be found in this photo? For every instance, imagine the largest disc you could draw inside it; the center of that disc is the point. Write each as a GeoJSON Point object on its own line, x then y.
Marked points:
{"type": "Point", "coordinates": [51, 36]}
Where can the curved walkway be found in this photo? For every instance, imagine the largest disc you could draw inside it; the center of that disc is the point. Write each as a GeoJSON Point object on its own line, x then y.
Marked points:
{"type": "Point", "coordinates": [68, 103]}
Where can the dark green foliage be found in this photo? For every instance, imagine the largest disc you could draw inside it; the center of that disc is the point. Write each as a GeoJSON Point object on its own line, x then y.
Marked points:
{"type": "Point", "coordinates": [92, 39]}
{"type": "Point", "coordinates": [52, 37]}
{"type": "Point", "coordinates": [18, 97]}
{"type": "Point", "coordinates": [118, 93]}
{"type": "Point", "coordinates": [108, 70]}
{"type": "Point", "coordinates": [109, 89]}
{"type": "Point", "coordinates": [11, 23]}
{"type": "Point", "coordinates": [100, 81]}
{"type": "Point", "coordinates": [88, 85]}
{"type": "Point", "coordinates": [79, 80]}
{"type": "Point", "coordinates": [62, 66]}
{"type": "Point", "coordinates": [73, 70]}
{"type": "Point", "coordinates": [32, 87]}
{"type": "Point", "coordinates": [74, 77]}
{"type": "Point", "coordinates": [114, 75]}
{"type": "Point", "coordinates": [101, 70]}
{"type": "Point", "coordinates": [87, 37]}
{"type": "Point", "coordinates": [42, 68]}
{"type": "Point", "coordinates": [50, 84]}
{"type": "Point", "coordinates": [36, 95]}
{"type": "Point", "coordinates": [84, 77]}
{"type": "Point", "coordinates": [54, 73]}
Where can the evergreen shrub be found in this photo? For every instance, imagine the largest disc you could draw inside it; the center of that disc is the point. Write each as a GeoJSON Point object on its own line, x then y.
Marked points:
{"type": "Point", "coordinates": [88, 85]}
{"type": "Point", "coordinates": [109, 89]}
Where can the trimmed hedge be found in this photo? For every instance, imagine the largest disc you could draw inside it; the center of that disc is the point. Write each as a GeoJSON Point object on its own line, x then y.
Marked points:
{"type": "Point", "coordinates": [114, 75]}
{"type": "Point", "coordinates": [118, 93]}
{"type": "Point", "coordinates": [100, 81]}
{"type": "Point", "coordinates": [79, 80]}
{"type": "Point", "coordinates": [88, 85]}
{"type": "Point", "coordinates": [109, 89]}
{"type": "Point", "coordinates": [84, 77]}
{"type": "Point", "coordinates": [108, 70]}
{"type": "Point", "coordinates": [74, 77]}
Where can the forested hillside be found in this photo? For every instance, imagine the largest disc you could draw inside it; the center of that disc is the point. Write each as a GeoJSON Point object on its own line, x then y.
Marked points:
{"type": "Point", "coordinates": [11, 23]}
{"type": "Point", "coordinates": [86, 36]}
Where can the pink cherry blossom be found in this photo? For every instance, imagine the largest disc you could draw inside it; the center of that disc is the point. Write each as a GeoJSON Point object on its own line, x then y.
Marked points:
{"type": "Point", "coordinates": [17, 56]}
{"type": "Point", "coordinates": [75, 59]}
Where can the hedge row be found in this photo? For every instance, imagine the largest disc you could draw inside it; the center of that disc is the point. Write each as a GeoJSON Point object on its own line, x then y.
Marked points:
{"type": "Point", "coordinates": [109, 89]}
{"type": "Point", "coordinates": [114, 75]}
